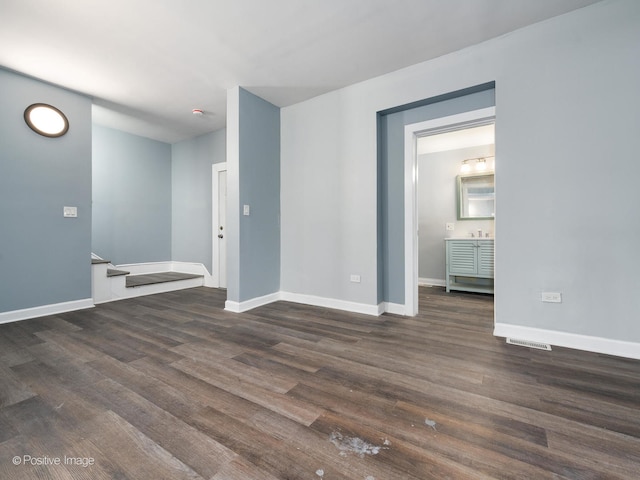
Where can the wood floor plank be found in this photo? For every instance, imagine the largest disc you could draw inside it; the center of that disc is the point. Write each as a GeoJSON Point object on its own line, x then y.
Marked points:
{"type": "Point", "coordinates": [201, 392]}
{"type": "Point", "coordinates": [267, 450]}
{"type": "Point", "coordinates": [19, 447]}
{"type": "Point", "coordinates": [179, 439]}
{"type": "Point", "coordinates": [173, 386]}
{"type": "Point", "coordinates": [278, 402]}
{"type": "Point", "coordinates": [386, 454]}
{"type": "Point", "coordinates": [128, 453]}
{"type": "Point", "coordinates": [406, 422]}
{"type": "Point", "coordinates": [74, 348]}
{"type": "Point", "coordinates": [241, 468]}
{"type": "Point", "coordinates": [12, 388]}
{"type": "Point", "coordinates": [48, 436]}
{"type": "Point", "coordinates": [243, 373]}
{"type": "Point", "coordinates": [6, 429]}
{"type": "Point", "coordinates": [317, 447]}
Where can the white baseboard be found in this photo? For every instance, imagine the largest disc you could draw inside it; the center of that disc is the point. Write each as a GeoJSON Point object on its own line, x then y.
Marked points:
{"type": "Point", "coordinates": [429, 282]}
{"type": "Point", "coordinates": [44, 310]}
{"type": "Point", "coordinates": [239, 307]}
{"type": "Point", "coordinates": [330, 303]}
{"type": "Point", "coordinates": [395, 308]}
{"type": "Point", "coordinates": [607, 346]}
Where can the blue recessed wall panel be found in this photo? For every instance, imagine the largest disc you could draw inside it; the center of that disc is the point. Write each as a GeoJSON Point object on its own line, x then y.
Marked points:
{"type": "Point", "coordinates": [391, 207]}
{"type": "Point", "coordinates": [253, 156]}
{"type": "Point", "coordinates": [259, 151]}
{"type": "Point", "coordinates": [191, 180]}
{"type": "Point", "coordinates": [131, 197]}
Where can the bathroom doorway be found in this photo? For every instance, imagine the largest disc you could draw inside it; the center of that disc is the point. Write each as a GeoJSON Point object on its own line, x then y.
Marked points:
{"type": "Point", "coordinates": [444, 211]}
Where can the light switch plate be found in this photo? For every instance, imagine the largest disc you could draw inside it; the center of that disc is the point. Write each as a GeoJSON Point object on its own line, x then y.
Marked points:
{"type": "Point", "coordinates": [70, 212]}
{"type": "Point", "coordinates": [450, 227]}
{"type": "Point", "coordinates": [246, 210]}
{"type": "Point", "coordinates": [355, 278]}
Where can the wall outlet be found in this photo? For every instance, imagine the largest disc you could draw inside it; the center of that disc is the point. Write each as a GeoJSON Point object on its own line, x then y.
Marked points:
{"type": "Point", "coordinates": [70, 212]}
{"type": "Point", "coordinates": [551, 297]}
{"type": "Point", "coordinates": [450, 227]}
{"type": "Point", "coordinates": [355, 278]}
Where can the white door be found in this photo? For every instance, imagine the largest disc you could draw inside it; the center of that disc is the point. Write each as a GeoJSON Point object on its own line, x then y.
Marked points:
{"type": "Point", "coordinates": [219, 272]}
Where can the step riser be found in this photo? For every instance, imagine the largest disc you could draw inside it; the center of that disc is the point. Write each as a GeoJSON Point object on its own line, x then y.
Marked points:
{"type": "Point", "coordinates": [124, 292]}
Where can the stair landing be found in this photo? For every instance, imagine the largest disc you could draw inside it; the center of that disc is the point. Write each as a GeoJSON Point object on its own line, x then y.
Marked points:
{"type": "Point", "coordinates": [153, 278]}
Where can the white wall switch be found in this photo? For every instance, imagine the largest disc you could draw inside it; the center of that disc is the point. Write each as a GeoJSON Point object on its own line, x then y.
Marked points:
{"type": "Point", "coordinates": [70, 212]}
{"type": "Point", "coordinates": [246, 210]}
{"type": "Point", "coordinates": [355, 278]}
{"type": "Point", "coordinates": [551, 297]}
{"type": "Point", "coordinates": [451, 227]}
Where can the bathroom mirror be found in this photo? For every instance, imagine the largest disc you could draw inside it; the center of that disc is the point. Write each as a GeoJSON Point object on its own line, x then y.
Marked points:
{"type": "Point", "coordinates": [476, 197]}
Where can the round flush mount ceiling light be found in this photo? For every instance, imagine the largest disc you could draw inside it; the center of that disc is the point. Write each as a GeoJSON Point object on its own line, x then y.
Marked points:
{"type": "Point", "coordinates": [46, 120]}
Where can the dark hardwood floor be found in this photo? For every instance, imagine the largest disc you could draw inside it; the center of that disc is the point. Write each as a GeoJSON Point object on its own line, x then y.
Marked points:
{"type": "Point", "coordinates": [171, 386]}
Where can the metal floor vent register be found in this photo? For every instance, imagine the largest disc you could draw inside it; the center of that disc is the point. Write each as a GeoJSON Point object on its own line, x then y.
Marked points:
{"type": "Point", "coordinates": [527, 343]}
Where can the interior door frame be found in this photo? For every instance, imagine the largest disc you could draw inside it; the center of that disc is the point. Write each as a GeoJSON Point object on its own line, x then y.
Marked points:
{"type": "Point", "coordinates": [215, 265]}
{"type": "Point", "coordinates": [411, 134]}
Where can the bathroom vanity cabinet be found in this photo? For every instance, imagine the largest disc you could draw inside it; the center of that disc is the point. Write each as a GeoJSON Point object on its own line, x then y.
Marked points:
{"type": "Point", "coordinates": [469, 264]}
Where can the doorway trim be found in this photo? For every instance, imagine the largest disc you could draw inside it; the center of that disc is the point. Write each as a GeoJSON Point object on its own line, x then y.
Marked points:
{"type": "Point", "coordinates": [411, 133]}
{"type": "Point", "coordinates": [215, 266]}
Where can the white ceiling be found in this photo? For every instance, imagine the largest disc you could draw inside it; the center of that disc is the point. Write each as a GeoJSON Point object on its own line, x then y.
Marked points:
{"type": "Point", "coordinates": [148, 63]}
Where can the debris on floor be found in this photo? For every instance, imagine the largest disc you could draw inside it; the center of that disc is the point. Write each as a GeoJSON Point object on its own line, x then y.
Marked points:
{"type": "Point", "coordinates": [320, 472]}
{"type": "Point", "coordinates": [430, 423]}
{"type": "Point", "coordinates": [354, 445]}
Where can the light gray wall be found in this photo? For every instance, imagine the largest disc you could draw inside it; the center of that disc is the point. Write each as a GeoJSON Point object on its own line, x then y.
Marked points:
{"type": "Point", "coordinates": [437, 206]}
{"type": "Point", "coordinates": [44, 258]}
{"type": "Point", "coordinates": [327, 199]}
{"type": "Point", "coordinates": [566, 122]}
{"type": "Point", "coordinates": [191, 183]}
{"type": "Point", "coordinates": [391, 171]}
{"type": "Point", "coordinates": [131, 197]}
{"type": "Point", "coordinates": [568, 206]}
{"type": "Point", "coordinates": [253, 175]}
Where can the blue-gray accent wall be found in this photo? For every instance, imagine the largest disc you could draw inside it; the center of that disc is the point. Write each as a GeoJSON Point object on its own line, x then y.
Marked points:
{"type": "Point", "coordinates": [131, 197]}
{"type": "Point", "coordinates": [44, 257]}
{"type": "Point", "coordinates": [391, 125]}
{"type": "Point", "coordinates": [259, 176]}
{"type": "Point", "coordinates": [191, 178]}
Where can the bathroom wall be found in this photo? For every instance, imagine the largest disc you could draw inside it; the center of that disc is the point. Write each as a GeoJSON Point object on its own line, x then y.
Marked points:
{"type": "Point", "coordinates": [437, 206]}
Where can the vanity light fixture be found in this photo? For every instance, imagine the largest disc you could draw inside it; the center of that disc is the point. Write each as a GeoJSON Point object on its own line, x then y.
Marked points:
{"type": "Point", "coordinates": [480, 165]}
{"type": "Point", "coordinates": [46, 120]}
